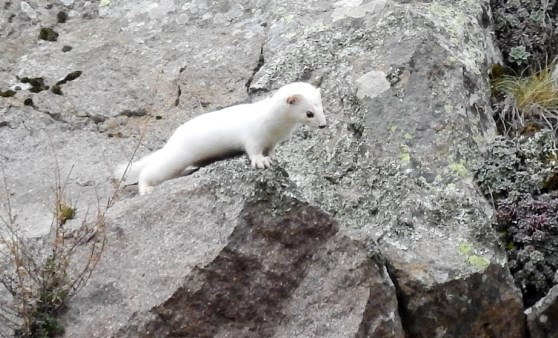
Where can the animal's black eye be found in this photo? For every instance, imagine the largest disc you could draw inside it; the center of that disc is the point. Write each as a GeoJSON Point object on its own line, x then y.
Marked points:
{"type": "Point", "coordinates": [309, 114]}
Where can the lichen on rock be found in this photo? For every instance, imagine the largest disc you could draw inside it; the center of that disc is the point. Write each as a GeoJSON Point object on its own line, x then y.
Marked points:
{"type": "Point", "coordinates": [371, 227]}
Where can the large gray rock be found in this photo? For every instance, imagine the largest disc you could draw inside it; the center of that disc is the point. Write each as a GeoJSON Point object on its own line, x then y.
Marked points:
{"type": "Point", "coordinates": [370, 229]}
{"type": "Point", "coordinates": [268, 264]}
{"type": "Point", "coordinates": [542, 318]}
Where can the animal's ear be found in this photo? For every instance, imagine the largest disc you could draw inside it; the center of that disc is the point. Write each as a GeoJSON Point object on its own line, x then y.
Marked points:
{"type": "Point", "coordinates": [294, 99]}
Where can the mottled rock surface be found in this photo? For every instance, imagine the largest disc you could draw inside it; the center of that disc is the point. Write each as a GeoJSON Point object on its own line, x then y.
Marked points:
{"type": "Point", "coordinates": [372, 228]}
{"type": "Point", "coordinates": [542, 318]}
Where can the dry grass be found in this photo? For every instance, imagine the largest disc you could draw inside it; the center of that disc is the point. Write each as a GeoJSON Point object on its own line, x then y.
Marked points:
{"type": "Point", "coordinates": [41, 279]}
{"type": "Point", "coordinates": [528, 101]}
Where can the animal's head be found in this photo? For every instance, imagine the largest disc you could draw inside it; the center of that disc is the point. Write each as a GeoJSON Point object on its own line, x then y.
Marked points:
{"type": "Point", "coordinates": [304, 104]}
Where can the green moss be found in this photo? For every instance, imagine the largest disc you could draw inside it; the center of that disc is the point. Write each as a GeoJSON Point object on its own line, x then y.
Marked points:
{"type": "Point", "coordinates": [37, 84]}
{"type": "Point", "coordinates": [62, 17]}
{"type": "Point", "coordinates": [510, 246]}
{"type": "Point", "coordinates": [65, 212]}
{"type": "Point", "coordinates": [73, 75]}
{"type": "Point", "coordinates": [70, 77]}
{"type": "Point", "coordinates": [56, 90]}
{"type": "Point", "coordinates": [48, 34]}
{"type": "Point", "coordinates": [7, 93]}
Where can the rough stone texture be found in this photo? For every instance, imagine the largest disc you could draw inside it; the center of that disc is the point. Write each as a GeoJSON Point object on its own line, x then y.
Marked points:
{"type": "Point", "coordinates": [277, 255]}
{"type": "Point", "coordinates": [542, 318]}
{"type": "Point", "coordinates": [372, 228]}
{"type": "Point", "coordinates": [269, 266]}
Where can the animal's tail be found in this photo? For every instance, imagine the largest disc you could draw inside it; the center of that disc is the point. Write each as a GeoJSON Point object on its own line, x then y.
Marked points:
{"type": "Point", "coordinates": [129, 172]}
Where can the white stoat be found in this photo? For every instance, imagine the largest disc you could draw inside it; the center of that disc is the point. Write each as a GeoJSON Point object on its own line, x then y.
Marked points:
{"type": "Point", "coordinates": [254, 128]}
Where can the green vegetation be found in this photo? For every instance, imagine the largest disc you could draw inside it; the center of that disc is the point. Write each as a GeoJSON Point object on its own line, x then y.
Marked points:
{"type": "Point", "coordinates": [42, 279]}
{"type": "Point", "coordinates": [519, 174]}
{"type": "Point", "coordinates": [518, 55]}
{"type": "Point", "coordinates": [528, 103]}
{"type": "Point", "coordinates": [516, 177]}
{"type": "Point", "coordinates": [526, 31]}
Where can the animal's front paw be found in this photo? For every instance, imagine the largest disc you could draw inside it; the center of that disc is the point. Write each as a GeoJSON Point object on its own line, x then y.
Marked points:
{"type": "Point", "coordinates": [261, 162]}
{"type": "Point", "coordinates": [147, 189]}
{"type": "Point", "coordinates": [272, 154]}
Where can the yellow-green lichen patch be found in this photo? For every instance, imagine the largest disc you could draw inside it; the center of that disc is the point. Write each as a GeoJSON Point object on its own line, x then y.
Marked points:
{"type": "Point", "coordinates": [459, 169]}
{"type": "Point", "coordinates": [104, 3]}
{"type": "Point", "coordinates": [457, 28]}
{"type": "Point", "coordinates": [404, 154]}
{"type": "Point", "coordinates": [466, 249]}
{"type": "Point", "coordinates": [478, 261]}
{"type": "Point", "coordinates": [288, 18]}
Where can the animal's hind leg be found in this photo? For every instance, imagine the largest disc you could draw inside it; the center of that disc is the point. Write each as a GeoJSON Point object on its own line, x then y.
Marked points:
{"type": "Point", "coordinates": [156, 172]}
{"type": "Point", "coordinates": [189, 171]}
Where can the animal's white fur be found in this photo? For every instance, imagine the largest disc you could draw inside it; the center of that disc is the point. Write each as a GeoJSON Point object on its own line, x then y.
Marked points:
{"type": "Point", "coordinates": [255, 128]}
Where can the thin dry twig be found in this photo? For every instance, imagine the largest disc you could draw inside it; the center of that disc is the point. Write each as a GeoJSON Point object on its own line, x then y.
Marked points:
{"type": "Point", "coordinates": [39, 283]}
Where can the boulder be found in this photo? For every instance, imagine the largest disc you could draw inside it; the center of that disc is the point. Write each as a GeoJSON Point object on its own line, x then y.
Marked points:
{"type": "Point", "coordinates": [372, 228]}
{"type": "Point", "coordinates": [542, 318]}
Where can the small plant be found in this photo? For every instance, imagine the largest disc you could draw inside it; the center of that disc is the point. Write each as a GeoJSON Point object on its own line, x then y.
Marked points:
{"type": "Point", "coordinates": [518, 177]}
{"type": "Point", "coordinates": [527, 101]}
{"type": "Point", "coordinates": [42, 280]}
{"type": "Point", "coordinates": [65, 212]}
{"type": "Point", "coordinates": [526, 31]}
{"type": "Point", "coordinates": [518, 55]}
{"type": "Point", "coordinates": [520, 172]}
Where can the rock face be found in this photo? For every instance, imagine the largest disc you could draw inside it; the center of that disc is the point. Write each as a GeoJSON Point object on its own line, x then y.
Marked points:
{"type": "Point", "coordinates": [372, 228]}
{"type": "Point", "coordinates": [542, 318]}
{"type": "Point", "coordinates": [263, 281]}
